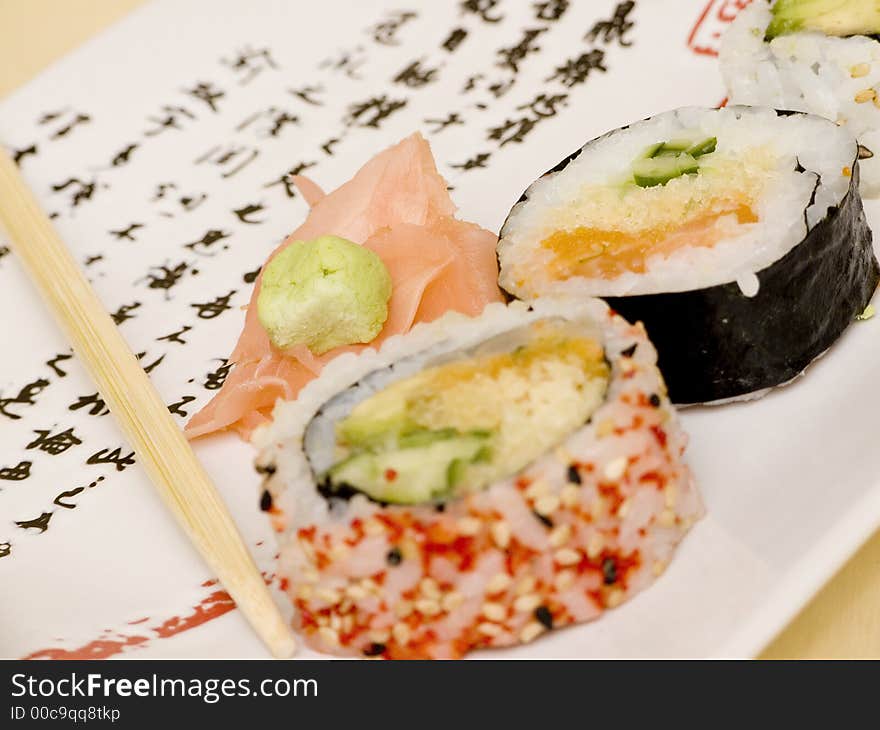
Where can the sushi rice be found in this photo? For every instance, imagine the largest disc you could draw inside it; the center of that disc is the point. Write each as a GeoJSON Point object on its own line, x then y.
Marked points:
{"type": "Point", "coordinates": [577, 531]}
{"type": "Point", "coordinates": [834, 77]}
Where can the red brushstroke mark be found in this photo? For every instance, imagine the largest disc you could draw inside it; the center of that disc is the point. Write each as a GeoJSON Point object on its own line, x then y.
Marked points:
{"type": "Point", "coordinates": [705, 36]}
{"type": "Point", "coordinates": [98, 649]}
{"type": "Point", "coordinates": [210, 607]}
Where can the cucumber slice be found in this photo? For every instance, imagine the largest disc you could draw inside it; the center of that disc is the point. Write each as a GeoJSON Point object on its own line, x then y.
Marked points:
{"type": "Point", "coordinates": [653, 150]}
{"type": "Point", "coordinates": [704, 147]}
{"type": "Point", "coordinates": [660, 170]}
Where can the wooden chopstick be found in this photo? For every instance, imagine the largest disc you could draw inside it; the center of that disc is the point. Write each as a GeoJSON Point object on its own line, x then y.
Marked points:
{"type": "Point", "coordinates": [144, 419]}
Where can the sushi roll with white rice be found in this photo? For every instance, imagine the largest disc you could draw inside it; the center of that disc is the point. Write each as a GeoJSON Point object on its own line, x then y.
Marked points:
{"type": "Point", "coordinates": [736, 235]}
{"type": "Point", "coordinates": [476, 482]}
{"type": "Point", "coordinates": [819, 56]}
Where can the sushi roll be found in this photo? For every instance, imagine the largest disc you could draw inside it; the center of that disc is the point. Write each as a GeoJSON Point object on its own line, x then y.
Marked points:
{"type": "Point", "coordinates": [476, 482]}
{"type": "Point", "coordinates": [736, 235]}
{"type": "Point", "coordinates": [819, 56]}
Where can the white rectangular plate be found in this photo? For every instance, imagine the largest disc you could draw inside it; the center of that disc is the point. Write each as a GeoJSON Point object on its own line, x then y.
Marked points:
{"type": "Point", "coordinates": [96, 567]}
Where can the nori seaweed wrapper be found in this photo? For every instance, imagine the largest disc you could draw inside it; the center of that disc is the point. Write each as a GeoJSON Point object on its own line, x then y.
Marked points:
{"type": "Point", "coordinates": [716, 343]}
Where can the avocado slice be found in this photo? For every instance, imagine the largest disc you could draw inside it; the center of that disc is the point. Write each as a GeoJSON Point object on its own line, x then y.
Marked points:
{"type": "Point", "coordinates": [415, 474]}
{"type": "Point", "coordinates": [832, 17]}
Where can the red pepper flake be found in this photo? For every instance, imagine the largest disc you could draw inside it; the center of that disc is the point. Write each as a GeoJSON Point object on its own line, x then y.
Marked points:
{"type": "Point", "coordinates": [660, 434]}
{"type": "Point", "coordinates": [390, 475]}
{"type": "Point", "coordinates": [284, 583]}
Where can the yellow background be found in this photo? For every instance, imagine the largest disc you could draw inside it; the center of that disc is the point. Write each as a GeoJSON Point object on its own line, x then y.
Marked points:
{"type": "Point", "coordinates": [842, 621]}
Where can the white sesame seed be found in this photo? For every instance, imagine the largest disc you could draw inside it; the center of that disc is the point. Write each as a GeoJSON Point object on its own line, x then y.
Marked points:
{"type": "Point", "coordinates": [403, 609]}
{"type": "Point", "coordinates": [536, 489]}
{"type": "Point", "coordinates": [373, 527]}
{"type": "Point", "coordinates": [559, 535]}
{"type": "Point", "coordinates": [335, 621]}
{"type": "Point", "coordinates": [599, 508]}
{"type": "Point", "coordinates": [451, 601]}
{"type": "Point", "coordinates": [401, 633]}
{"type": "Point", "coordinates": [563, 455]}
{"type": "Point", "coordinates": [304, 591]}
{"type": "Point", "coordinates": [307, 550]}
{"type": "Point", "coordinates": [329, 635]}
{"type": "Point", "coordinates": [564, 580]}
{"type": "Point", "coordinates": [623, 509]}
{"type": "Point", "coordinates": [340, 552]}
{"type": "Point", "coordinates": [379, 636]}
{"type": "Point", "coordinates": [500, 534]}
{"type": "Point", "coordinates": [526, 603]}
{"type": "Point", "coordinates": [626, 364]}
{"type": "Point", "coordinates": [345, 606]}
{"type": "Point", "coordinates": [469, 526]}
{"type": "Point", "coordinates": [547, 504]}
{"type": "Point", "coordinates": [489, 629]}
{"type": "Point", "coordinates": [428, 606]}
{"type": "Point", "coordinates": [369, 585]}
{"type": "Point", "coordinates": [526, 585]}
{"type": "Point", "coordinates": [567, 556]}
{"type": "Point", "coordinates": [570, 495]}
{"type": "Point", "coordinates": [859, 70]}
{"type": "Point", "coordinates": [494, 611]}
{"type": "Point", "coordinates": [615, 468]}
{"type": "Point", "coordinates": [356, 592]}
{"type": "Point", "coordinates": [670, 494]}
{"type": "Point", "coordinates": [531, 631]}
{"type": "Point", "coordinates": [614, 598]}
{"type": "Point", "coordinates": [864, 95]}
{"type": "Point", "coordinates": [666, 518]}
{"type": "Point", "coordinates": [323, 621]}
{"type": "Point", "coordinates": [658, 568]}
{"type": "Point", "coordinates": [329, 595]}
{"type": "Point", "coordinates": [499, 582]}
{"type": "Point", "coordinates": [347, 623]}
{"type": "Point", "coordinates": [595, 545]}
{"type": "Point", "coordinates": [429, 588]}
{"type": "Point", "coordinates": [311, 575]}
{"type": "Point", "coordinates": [604, 428]}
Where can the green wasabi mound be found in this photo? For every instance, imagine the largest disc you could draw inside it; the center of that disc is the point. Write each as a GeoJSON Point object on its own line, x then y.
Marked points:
{"type": "Point", "coordinates": [832, 17]}
{"type": "Point", "coordinates": [324, 293]}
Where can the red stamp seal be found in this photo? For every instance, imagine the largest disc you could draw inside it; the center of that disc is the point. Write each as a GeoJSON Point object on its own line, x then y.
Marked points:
{"type": "Point", "coordinates": [705, 37]}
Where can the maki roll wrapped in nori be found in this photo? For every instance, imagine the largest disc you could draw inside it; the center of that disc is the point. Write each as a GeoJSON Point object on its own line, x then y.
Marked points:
{"type": "Point", "coordinates": [736, 235]}
{"type": "Point", "coordinates": [476, 482]}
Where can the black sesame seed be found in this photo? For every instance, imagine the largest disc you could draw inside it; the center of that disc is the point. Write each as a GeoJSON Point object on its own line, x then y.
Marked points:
{"type": "Point", "coordinates": [440, 507]}
{"type": "Point", "coordinates": [630, 351]}
{"type": "Point", "coordinates": [374, 649]}
{"type": "Point", "coordinates": [542, 613]}
{"type": "Point", "coordinates": [544, 519]}
{"type": "Point", "coordinates": [266, 501]}
{"type": "Point", "coordinates": [654, 400]}
{"type": "Point", "coordinates": [394, 556]}
{"type": "Point", "coordinates": [574, 476]}
{"type": "Point", "coordinates": [266, 469]}
{"type": "Point", "coordinates": [609, 571]}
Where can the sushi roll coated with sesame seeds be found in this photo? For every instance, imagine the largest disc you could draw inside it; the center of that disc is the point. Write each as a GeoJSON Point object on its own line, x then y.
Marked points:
{"type": "Point", "coordinates": [476, 482]}
{"type": "Point", "coordinates": [736, 235]}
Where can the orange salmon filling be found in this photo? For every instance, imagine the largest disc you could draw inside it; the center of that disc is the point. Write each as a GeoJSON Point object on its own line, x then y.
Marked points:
{"type": "Point", "coordinates": [596, 252]}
